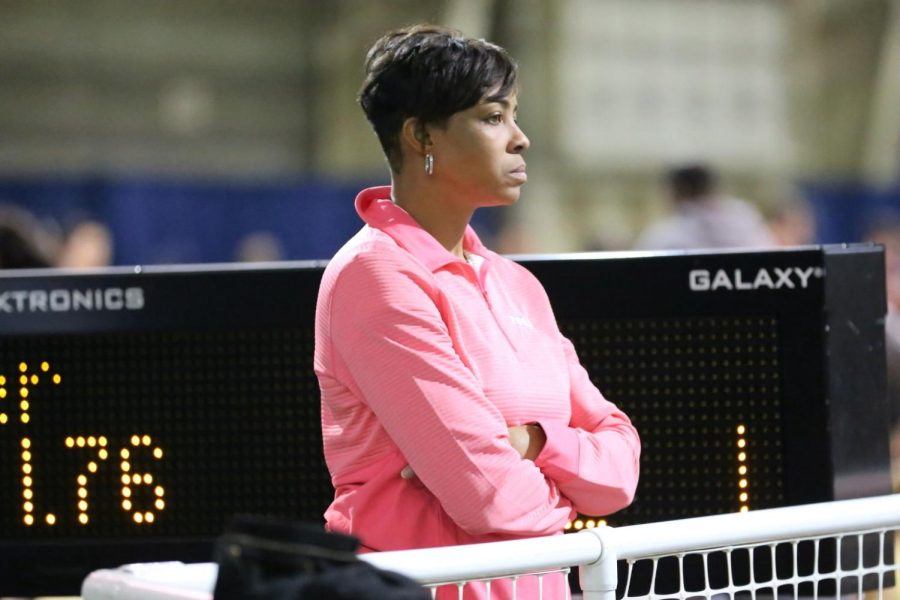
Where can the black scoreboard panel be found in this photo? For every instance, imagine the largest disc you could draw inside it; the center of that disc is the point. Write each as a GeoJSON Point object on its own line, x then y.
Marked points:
{"type": "Point", "coordinates": [709, 389]}
{"type": "Point", "coordinates": [140, 409]}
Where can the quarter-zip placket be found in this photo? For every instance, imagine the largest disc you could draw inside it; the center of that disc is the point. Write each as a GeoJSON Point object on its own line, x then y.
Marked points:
{"type": "Point", "coordinates": [478, 278]}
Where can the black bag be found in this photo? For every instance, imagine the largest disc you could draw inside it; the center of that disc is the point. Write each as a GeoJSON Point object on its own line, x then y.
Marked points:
{"type": "Point", "coordinates": [270, 559]}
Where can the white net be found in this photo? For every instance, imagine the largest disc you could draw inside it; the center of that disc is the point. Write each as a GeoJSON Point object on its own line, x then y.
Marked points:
{"type": "Point", "coordinates": [861, 564]}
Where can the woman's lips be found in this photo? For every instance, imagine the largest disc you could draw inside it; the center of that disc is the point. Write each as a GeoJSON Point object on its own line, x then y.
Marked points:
{"type": "Point", "coordinates": [519, 174]}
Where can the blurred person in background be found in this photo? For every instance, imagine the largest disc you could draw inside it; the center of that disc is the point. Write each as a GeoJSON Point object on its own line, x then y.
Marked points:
{"type": "Point", "coordinates": [884, 229]}
{"type": "Point", "coordinates": [24, 243]}
{"type": "Point", "coordinates": [88, 245]}
{"type": "Point", "coordinates": [453, 409]}
{"type": "Point", "coordinates": [259, 246]}
{"type": "Point", "coordinates": [704, 217]}
{"type": "Point", "coordinates": [792, 223]}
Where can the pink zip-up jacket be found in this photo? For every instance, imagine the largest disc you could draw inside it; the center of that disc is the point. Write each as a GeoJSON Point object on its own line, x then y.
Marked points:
{"type": "Point", "coordinates": [424, 360]}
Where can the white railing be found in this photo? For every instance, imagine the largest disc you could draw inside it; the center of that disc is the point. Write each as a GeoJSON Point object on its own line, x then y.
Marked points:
{"type": "Point", "coordinates": [596, 551]}
{"type": "Point", "coordinates": [833, 547]}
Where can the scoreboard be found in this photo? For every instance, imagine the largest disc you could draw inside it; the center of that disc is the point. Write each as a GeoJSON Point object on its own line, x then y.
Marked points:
{"type": "Point", "coordinates": [141, 408]}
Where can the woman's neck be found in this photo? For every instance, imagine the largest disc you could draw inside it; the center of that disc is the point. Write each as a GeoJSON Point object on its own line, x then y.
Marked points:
{"type": "Point", "coordinates": [440, 214]}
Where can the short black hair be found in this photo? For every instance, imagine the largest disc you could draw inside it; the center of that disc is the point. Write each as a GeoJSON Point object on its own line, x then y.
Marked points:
{"type": "Point", "coordinates": [690, 182]}
{"type": "Point", "coordinates": [428, 72]}
{"type": "Point", "coordinates": [20, 240]}
{"type": "Point", "coordinates": [17, 252]}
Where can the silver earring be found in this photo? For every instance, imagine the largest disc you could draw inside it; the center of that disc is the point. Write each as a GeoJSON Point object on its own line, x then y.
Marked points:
{"type": "Point", "coordinates": [429, 164]}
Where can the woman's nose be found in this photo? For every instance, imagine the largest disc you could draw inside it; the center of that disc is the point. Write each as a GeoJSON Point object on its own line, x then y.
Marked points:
{"type": "Point", "coordinates": [519, 142]}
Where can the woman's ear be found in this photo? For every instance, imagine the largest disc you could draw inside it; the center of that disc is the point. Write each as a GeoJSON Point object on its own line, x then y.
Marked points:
{"type": "Point", "coordinates": [414, 136]}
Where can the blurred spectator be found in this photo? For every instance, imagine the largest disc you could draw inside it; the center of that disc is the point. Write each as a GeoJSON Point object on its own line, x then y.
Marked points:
{"type": "Point", "coordinates": [792, 223]}
{"type": "Point", "coordinates": [24, 244]}
{"type": "Point", "coordinates": [704, 217]}
{"type": "Point", "coordinates": [885, 230]}
{"type": "Point", "coordinates": [259, 246]}
{"type": "Point", "coordinates": [89, 244]}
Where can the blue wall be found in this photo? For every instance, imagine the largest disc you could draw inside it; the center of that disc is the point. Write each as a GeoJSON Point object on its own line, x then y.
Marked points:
{"type": "Point", "coordinates": [188, 221]}
{"type": "Point", "coordinates": [845, 210]}
{"type": "Point", "coordinates": [167, 222]}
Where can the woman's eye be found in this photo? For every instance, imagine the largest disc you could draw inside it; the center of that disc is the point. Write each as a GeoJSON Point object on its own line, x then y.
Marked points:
{"type": "Point", "coordinates": [495, 119]}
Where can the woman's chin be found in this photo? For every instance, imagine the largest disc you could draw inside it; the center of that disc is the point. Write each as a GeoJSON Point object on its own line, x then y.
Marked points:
{"type": "Point", "coordinates": [506, 197]}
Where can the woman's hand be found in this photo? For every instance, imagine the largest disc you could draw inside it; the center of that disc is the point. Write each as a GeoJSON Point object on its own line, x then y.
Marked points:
{"type": "Point", "coordinates": [527, 440]}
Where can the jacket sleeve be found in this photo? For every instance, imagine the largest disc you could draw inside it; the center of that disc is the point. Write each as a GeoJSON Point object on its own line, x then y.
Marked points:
{"type": "Point", "coordinates": [389, 334]}
{"type": "Point", "coordinates": [595, 457]}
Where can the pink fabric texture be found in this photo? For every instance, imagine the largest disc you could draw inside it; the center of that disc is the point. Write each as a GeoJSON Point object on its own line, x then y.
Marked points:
{"type": "Point", "coordinates": [424, 361]}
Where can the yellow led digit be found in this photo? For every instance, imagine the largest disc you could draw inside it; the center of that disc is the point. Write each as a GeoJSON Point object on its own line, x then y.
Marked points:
{"type": "Point", "coordinates": [91, 468]}
{"type": "Point", "coordinates": [27, 481]}
{"type": "Point", "coordinates": [130, 478]}
{"type": "Point", "coordinates": [25, 380]}
{"type": "Point", "coordinates": [742, 469]}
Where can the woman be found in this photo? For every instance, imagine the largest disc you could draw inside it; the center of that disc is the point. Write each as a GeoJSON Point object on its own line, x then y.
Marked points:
{"type": "Point", "coordinates": [453, 410]}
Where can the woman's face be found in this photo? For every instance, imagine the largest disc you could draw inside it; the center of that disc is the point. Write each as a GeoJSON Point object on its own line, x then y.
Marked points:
{"type": "Point", "coordinates": [478, 153]}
